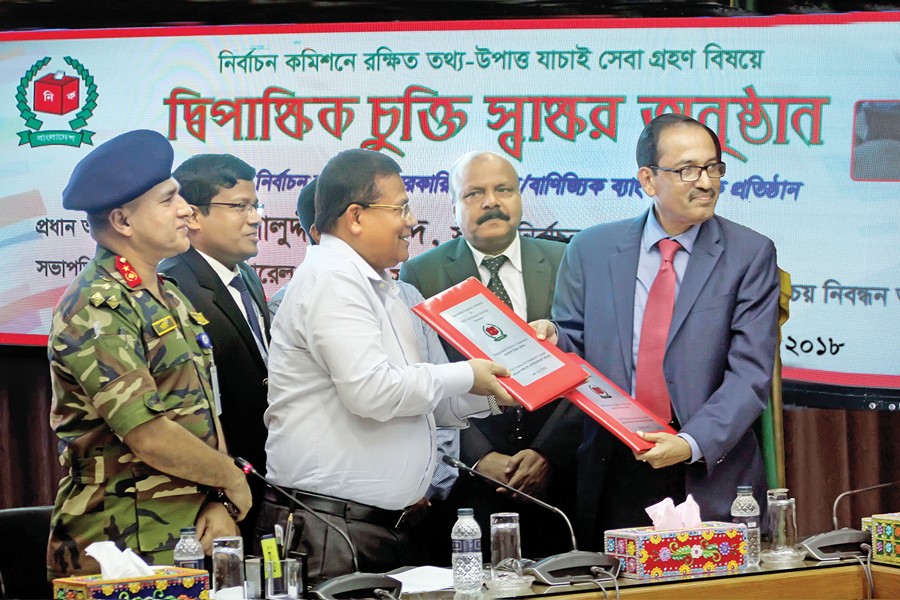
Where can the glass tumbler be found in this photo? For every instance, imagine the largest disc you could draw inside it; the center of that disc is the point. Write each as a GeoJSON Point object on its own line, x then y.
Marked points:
{"type": "Point", "coordinates": [228, 567]}
{"type": "Point", "coordinates": [782, 521]}
{"type": "Point", "coordinates": [506, 545]}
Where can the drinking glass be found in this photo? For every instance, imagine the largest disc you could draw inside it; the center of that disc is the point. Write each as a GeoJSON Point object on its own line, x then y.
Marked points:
{"type": "Point", "coordinates": [782, 520]}
{"type": "Point", "coordinates": [228, 567]}
{"type": "Point", "coordinates": [506, 545]}
{"type": "Point", "coordinates": [282, 579]}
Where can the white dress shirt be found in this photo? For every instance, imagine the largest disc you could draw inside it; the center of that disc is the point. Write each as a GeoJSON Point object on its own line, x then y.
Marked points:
{"type": "Point", "coordinates": [510, 274]}
{"type": "Point", "coordinates": [350, 405]}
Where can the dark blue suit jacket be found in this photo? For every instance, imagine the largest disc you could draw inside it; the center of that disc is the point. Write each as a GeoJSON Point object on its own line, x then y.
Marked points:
{"type": "Point", "coordinates": [719, 357]}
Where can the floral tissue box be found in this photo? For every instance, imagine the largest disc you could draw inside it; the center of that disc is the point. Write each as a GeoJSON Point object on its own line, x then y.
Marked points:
{"type": "Point", "coordinates": [645, 552]}
{"type": "Point", "coordinates": [885, 530]}
{"type": "Point", "coordinates": [168, 583]}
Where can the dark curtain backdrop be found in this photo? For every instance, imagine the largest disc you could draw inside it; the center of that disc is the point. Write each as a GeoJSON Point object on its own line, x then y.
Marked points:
{"type": "Point", "coordinates": [827, 451]}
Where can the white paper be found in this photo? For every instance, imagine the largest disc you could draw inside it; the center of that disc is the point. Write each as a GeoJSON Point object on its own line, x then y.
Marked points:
{"type": "Point", "coordinates": [424, 579]}
{"type": "Point", "coordinates": [502, 340]}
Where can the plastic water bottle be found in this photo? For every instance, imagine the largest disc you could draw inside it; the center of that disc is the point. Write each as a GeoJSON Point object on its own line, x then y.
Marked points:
{"type": "Point", "coordinates": [466, 559]}
{"type": "Point", "coordinates": [188, 551]}
{"type": "Point", "coordinates": [745, 510]}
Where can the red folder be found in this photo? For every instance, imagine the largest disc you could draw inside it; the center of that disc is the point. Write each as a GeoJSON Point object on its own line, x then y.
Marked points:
{"type": "Point", "coordinates": [618, 412]}
{"type": "Point", "coordinates": [541, 371]}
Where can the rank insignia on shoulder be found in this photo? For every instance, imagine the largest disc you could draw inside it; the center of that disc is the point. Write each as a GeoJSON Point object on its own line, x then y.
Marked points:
{"type": "Point", "coordinates": [164, 325]}
{"type": "Point", "coordinates": [96, 299]}
{"type": "Point", "coordinates": [128, 272]}
{"type": "Point", "coordinates": [113, 302]}
{"type": "Point", "coordinates": [199, 319]}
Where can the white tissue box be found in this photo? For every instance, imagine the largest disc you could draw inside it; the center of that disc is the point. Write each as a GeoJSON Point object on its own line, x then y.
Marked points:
{"type": "Point", "coordinates": [645, 552]}
{"type": "Point", "coordinates": [185, 584]}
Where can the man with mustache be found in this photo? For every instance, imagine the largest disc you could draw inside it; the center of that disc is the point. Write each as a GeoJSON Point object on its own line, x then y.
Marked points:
{"type": "Point", "coordinates": [525, 449]}
{"type": "Point", "coordinates": [214, 275]}
{"type": "Point", "coordinates": [680, 307]}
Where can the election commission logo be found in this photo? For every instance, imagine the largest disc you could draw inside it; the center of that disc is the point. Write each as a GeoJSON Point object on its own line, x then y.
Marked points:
{"type": "Point", "coordinates": [599, 391]}
{"type": "Point", "coordinates": [494, 332]}
{"type": "Point", "coordinates": [55, 96]}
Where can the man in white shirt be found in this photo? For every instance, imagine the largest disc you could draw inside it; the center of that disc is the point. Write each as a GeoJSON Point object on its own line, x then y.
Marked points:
{"type": "Point", "coordinates": [352, 409]}
{"type": "Point", "coordinates": [228, 295]}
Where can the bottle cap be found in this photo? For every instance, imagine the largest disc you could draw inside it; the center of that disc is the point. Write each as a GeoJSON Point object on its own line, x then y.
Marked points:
{"type": "Point", "coordinates": [188, 531]}
{"type": "Point", "coordinates": [746, 489]}
{"type": "Point", "coordinates": [465, 512]}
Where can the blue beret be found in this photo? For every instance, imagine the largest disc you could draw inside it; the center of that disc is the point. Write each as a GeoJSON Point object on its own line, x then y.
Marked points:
{"type": "Point", "coordinates": [118, 171]}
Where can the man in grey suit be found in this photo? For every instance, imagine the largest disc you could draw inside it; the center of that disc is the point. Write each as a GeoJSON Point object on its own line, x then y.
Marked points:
{"type": "Point", "coordinates": [524, 449]}
{"type": "Point", "coordinates": [715, 357]}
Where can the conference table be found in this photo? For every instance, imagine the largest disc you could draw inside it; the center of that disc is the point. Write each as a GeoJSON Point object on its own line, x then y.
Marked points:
{"type": "Point", "coordinates": [809, 579]}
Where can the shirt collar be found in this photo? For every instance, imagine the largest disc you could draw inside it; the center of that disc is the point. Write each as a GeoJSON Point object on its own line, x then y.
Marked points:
{"type": "Point", "coordinates": [224, 273]}
{"type": "Point", "coordinates": [513, 253]}
{"type": "Point", "coordinates": [653, 233]}
{"type": "Point", "coordinates": [337, 245]}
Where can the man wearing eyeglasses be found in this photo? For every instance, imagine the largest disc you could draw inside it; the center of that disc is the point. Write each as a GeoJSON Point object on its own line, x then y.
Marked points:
{"type": "Point", "coordinates": [213, 274]}
{"type": "Point", "coordinates": [353, 408]}
{"type": "Point", "coordinates": [680, 307]}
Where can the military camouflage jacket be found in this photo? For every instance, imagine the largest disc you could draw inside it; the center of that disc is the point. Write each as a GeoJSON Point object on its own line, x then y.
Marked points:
{"type": "Point", "coordinates": [119, 358]}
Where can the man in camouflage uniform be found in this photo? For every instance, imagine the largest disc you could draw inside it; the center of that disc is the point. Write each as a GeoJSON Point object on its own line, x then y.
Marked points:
{"type": "Point", "coordinates": [133, 400]}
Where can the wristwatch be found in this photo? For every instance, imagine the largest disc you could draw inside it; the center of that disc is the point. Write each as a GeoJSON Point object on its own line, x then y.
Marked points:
{"type": "Point", "coordinates": [218, 495]}
{"type": "Point", "coordinates": [496, 409]}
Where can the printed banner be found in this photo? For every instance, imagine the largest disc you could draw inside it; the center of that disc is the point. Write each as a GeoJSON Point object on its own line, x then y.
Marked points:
{"type": "Point", "coordinates": [807, 109]}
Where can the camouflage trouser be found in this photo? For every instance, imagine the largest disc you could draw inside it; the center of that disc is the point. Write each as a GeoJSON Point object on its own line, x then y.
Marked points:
{"type": "Point", "coordinates": [150, 527]}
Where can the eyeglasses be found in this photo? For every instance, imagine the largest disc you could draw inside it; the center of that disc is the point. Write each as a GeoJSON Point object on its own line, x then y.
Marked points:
{"type": "Point", "coordinates": [405, 210]}
{"type": "Point", "coordinates": [692, 173]}
{"type": "Point", "coordinates": [242, 207]}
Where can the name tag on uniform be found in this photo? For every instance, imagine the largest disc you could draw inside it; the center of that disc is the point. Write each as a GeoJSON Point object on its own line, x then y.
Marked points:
{"type": "Point", "coordinates": [214, 376]}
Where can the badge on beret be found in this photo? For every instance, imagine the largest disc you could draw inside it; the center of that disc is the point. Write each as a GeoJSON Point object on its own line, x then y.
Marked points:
{"type": "Point", "coordinates": [204, 341]}
{"type": "Point", "coordinates": [199, 319]}
{"type": "Point", "coordinates": [126, 270]}
{"type": "Point", "coordinates": [96, 299]}
{"type": "Point", "coordinates": [164, 325]}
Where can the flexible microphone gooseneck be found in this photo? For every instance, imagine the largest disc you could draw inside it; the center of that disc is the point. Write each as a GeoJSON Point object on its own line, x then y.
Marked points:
{"type": "Point", "coordinates": [352, 585]}
{"type": "Point", "coordinates": [560, 569]}
{"type": "Point", "coordinates": [458, 464]}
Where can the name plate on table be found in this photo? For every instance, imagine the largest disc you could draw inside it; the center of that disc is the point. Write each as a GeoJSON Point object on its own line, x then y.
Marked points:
{"type": "Point", "coordinates": [618, 412]}
{"type": "Point", "coordinates": [478, 324]}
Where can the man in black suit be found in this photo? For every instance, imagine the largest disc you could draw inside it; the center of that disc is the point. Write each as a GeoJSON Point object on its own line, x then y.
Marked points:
{"type": "Point", "coordinates": [213, 274]}
{"type": "Point", "coordinates": [532, 451]}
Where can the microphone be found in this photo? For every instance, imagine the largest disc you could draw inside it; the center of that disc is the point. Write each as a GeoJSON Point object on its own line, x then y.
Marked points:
{"type": "Point", "coordinates": [352, 585]}
{"type": "Point", "coordinates": [560, 569]}
{"type": "Point", "coordinates": [845, 542]}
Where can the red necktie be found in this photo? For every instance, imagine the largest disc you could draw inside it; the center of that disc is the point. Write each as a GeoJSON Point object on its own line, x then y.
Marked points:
{"type": "Point", "coordinates": [650, 381]}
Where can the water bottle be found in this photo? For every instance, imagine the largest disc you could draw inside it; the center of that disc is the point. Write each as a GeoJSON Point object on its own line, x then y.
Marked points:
{"type": "Point", "coordinates": [745, 510]}
{"type": "Point", "coordinates": [188, 551]}
{"type": "Point", "coordinates": [466, 559]}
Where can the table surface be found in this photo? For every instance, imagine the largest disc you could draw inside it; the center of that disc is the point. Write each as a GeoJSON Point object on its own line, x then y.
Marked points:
{"type": "Point", "coordinates": [808, 579]}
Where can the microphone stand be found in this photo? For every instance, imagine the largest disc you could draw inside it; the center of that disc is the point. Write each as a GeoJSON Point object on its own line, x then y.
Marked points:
{"type": "Point", "coordinates": [342, 587]}
{"type": "Point", "coordinates": [570, 567]}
